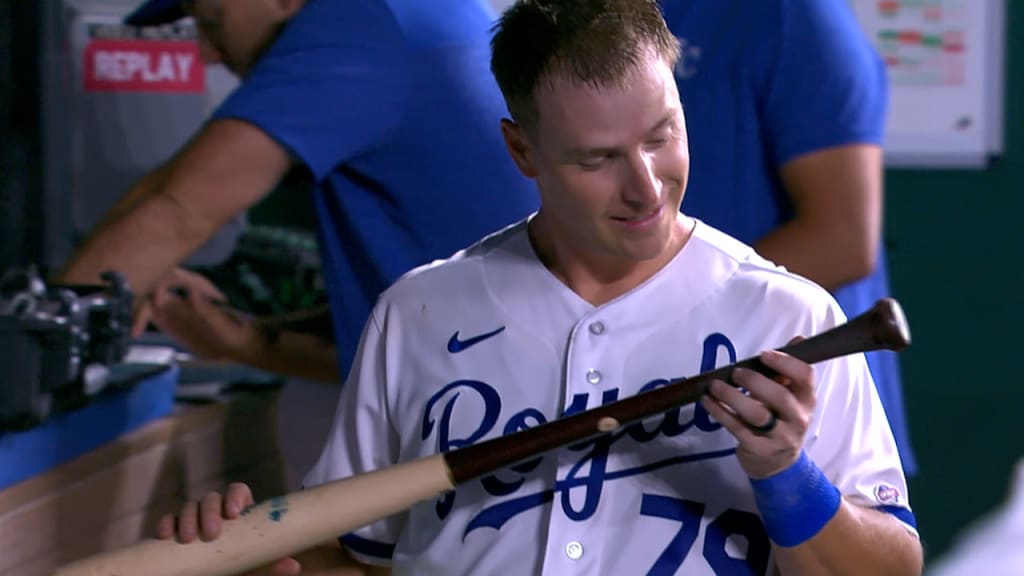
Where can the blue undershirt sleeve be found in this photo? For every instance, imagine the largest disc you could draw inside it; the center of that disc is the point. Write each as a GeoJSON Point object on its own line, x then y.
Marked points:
{"type": "Point", "coordinates": [828, 86]}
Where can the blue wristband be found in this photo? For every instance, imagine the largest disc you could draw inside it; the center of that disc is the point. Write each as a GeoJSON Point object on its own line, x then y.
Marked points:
{"type": "Point", "coordinates": [795, 504]}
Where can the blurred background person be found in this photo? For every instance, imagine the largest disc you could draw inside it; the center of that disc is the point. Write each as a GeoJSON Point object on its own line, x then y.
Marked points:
{"type": "Point", "coordinates": [387, 103]}
{"type": "Point", "coordinates": [786, 106]}
{"type": "Point", "coordinates": [990, 545]}
{"type": "Point", "coordinates": [390, 107]}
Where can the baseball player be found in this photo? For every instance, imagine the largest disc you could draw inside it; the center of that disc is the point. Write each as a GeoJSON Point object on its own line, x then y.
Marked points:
{"type": "Point", "coordinates": [605, 292]}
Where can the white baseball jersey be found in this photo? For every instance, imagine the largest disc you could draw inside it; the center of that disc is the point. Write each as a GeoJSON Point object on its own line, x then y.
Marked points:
{"type": "Point", "coordinates": [490, 342]}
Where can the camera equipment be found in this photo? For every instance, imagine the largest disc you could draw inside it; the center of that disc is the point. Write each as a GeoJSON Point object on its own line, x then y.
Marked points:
{"type": "Point", "coordinates": [57, 343]}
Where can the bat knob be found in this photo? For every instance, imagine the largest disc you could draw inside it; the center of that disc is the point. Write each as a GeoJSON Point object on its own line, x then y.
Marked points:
{"type": "Point", "coordinates": [890, 327]}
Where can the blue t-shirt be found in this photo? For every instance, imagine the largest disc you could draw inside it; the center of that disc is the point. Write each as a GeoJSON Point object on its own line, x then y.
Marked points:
{"type": "Point", "coordinates": [763, 82]}
{"type": "Point", "coordinates": [392, 107]}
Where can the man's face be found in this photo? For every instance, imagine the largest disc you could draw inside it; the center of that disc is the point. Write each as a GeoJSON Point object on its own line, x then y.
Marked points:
{"type": "Point", "coordinates": [612, 163]}
{"type": "Point", "coordinates": [234, 32]}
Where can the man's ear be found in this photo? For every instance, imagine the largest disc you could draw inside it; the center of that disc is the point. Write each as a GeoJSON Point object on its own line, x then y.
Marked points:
{"type": "Point", "coordinates": [518, 147]}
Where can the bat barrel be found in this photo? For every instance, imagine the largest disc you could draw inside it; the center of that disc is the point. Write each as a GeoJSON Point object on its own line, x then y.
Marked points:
{"type": "Point", "coordinates": [279, 527]}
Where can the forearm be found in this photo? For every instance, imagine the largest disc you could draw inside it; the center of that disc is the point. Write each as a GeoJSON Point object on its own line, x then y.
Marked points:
{"type": "Point", "coordinates": [229, 166]}
{"type": "Point", "coordinates": [297, 355]}
{"type": "Point", "coordinates": [855, 541]}
{"type": "Point", "coordinates": [146, 185]}
{"type": "Point", "coordinates": [142, 239]}
{"type": "Point", "coordinates": [83, 266]}
{"type": "Point", "coordinates": [829, 254]}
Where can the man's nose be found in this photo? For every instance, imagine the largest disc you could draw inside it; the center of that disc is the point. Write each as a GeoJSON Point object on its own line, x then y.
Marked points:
{"type": "Point", "coordinates": [642, 186]}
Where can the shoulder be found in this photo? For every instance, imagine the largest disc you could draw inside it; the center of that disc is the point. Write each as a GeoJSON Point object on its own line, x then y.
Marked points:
{"type": "Point", "coordinates": [337, 18]}
{"type": "Point", "coordinates": [830, 24]}
{"type": "Point", "coordinates": [412, 24]}
{"type": "Point", "coordinates": [751, 276]}
{"type": "Point", "coordinates": [325, 30]}
{"type": "Point", "coordinates": [444, 279]}
{"type": "Point", "coordinates": [443, 22]}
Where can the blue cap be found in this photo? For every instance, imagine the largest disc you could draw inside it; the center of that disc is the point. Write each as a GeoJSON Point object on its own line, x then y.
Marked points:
{"type": "Point", "coordinates": [155, 12]}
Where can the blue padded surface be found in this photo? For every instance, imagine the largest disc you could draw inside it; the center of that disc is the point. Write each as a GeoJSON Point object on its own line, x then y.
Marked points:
{"type": "Point", "coordinates": [65, 436]}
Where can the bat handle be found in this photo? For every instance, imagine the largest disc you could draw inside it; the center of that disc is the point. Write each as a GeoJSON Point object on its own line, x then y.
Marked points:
{"type": "Point", "coordinates": [883, 327]}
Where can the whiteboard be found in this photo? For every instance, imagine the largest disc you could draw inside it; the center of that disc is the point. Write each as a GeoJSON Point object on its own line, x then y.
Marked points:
{"type": "Point", "coordinates": [500, 5]}
{"type": "Point", "coordinates": [945, 64]}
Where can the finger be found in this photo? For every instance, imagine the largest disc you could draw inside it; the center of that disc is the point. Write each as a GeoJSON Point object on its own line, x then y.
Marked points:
{"type": "Point", "coordinates": [237, 498]}
{"type": "Point", "coordinates": [187, 522]}
{"type": "Point", "coordinates": [287, 567]}
{"type": "Point", "coordinates": [165, 527]}
{"type": "Point", "coordinates": [780, 378]}
{"type": "Point", "coordinates": [163, 296]}
{"type": "Point", "coordinates": [799, 373]}
{"type": "Point", "coordinates": [178, 277]}
{"type": "Point", "coordinates": [204, 304]}
{"type": "Point", "coordinates": [776, 397]}
{"type": "Point", "coordinates": [283, 567]}
{"type": "Point", "coordinates": [174, 316]}
{"type": "Point", "coordinates": [210, 517]}
{"type": "Point", "coordinates": [223, 318]}
{"type": "Point", "coordinates": [197, 284]}
{"type": "Point", "coordinates": [744, 407]}
{"type": "Point", "coordinates": [140, 319]}
{"type": "Point", "coordinates": [721, 413]}
{"type": "Point", "coordinates": [211, 290]}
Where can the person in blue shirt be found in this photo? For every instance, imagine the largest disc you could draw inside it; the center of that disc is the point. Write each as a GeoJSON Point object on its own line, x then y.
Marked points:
{"type": "Point", "coordinates": [786, 104]}
{"type": "Point", "coordinates": [390, 106]}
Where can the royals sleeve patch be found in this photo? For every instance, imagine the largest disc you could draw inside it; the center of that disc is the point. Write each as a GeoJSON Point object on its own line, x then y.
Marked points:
{"type": "Point", "coordinates": [886, 494]}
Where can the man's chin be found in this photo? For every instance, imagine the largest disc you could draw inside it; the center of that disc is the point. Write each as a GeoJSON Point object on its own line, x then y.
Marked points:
{"type": "Point", "coordinates": [643, 252]}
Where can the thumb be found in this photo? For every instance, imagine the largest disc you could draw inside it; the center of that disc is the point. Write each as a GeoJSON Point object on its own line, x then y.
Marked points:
{"type": "Point", "coordinates": [287, 566]}
{"type": "Point", "coordinates": [282, 567]}
{"type": "Point", "coordinates": [140, 319]}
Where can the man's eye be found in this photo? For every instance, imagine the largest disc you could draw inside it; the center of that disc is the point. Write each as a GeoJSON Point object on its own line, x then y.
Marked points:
{"type": "Point", "coordinates": [596, 161]}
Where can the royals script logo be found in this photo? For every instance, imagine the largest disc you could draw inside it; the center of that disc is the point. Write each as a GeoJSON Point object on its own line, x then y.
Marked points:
{"type": "Point", "coordinates": [589, 474]}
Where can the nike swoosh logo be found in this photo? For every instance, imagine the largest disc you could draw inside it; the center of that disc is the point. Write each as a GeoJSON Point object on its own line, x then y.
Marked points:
{"type": "Point", "coordinates": [455, 345]}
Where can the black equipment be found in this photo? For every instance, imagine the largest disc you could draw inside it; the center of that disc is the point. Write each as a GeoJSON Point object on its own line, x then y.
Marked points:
{"type": "Point", "coordinates": [57, 343]}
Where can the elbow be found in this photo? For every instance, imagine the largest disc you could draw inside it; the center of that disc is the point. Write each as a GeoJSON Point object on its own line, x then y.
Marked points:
{"type": "Point", "coordinates": [861, 262]}
{"type": "Point", "coordinates": [855, 255]}
{"type": "Point", "coordinates": [913, 564]}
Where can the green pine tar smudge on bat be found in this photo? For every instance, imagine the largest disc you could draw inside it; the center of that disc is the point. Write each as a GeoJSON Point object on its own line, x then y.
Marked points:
{"type": "Point", "coordinates": [278, 508]}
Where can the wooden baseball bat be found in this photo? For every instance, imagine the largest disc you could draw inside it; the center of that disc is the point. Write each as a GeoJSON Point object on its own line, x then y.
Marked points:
{"type": "Point", "coordinates": [286, 525]}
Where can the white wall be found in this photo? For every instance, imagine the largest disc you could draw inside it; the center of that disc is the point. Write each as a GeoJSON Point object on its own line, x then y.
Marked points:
{"type": "Point", "coordinates": [500, 5]}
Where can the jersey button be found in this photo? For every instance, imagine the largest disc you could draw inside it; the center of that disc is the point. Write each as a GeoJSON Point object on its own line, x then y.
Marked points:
{"type": "Point", "coordinates": [574, 550]}
{"type": "Point", "coordinates": [593, 376]}
{"type": "Point", "coordinates": [597, 328]}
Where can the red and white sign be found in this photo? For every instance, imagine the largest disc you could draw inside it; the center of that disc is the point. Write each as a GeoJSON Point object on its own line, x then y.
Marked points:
{"type": "Point", "coordinates": [143, 66]}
